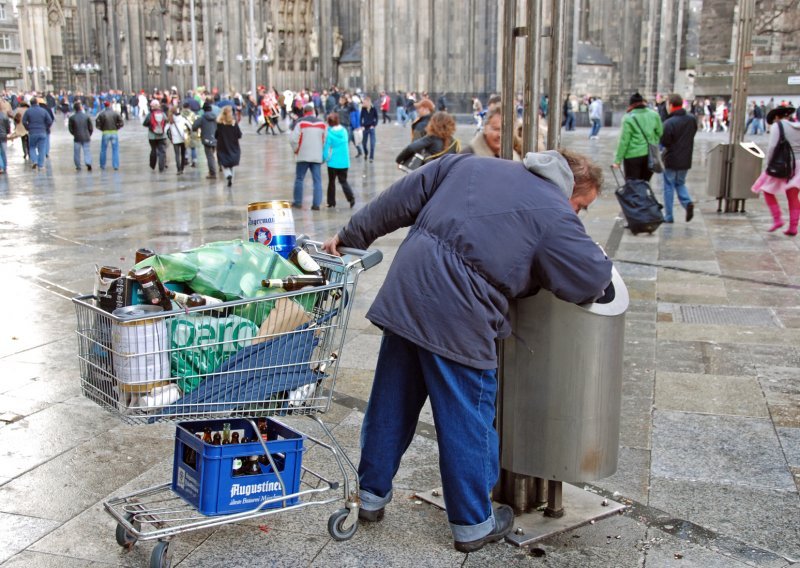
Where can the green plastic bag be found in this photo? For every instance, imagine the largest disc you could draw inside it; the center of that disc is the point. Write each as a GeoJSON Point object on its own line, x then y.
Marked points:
{"type": "Point", "coordinates": [228, 270]}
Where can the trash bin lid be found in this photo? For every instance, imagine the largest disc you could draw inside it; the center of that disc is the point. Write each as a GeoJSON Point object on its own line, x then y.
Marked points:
{"type": "Point", "coordinates": [753, 148]}
{"type": "Point", "coordinates": [617, 305]}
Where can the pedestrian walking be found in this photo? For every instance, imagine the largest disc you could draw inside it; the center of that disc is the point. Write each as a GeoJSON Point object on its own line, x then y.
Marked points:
{"type": "Point", "coordinates": [641, 127]}
{"type": "Point", "coordinates": [595, 116]}
{"type": "Point", "coordinates": [678, 142]}
{"type": "Point", "coordinates": [424, 110]}
{"type": "Point", "coordinates": [444, 305]}
{"type": "Point", "coordinates": [770, 186]}
{"type": "Point", "coordinates": [19, 128]}
{"type": "Point", "coordinates": [207, 126]}
{"type": "Point", "coordinates": [385, 101]}
{"type": "Point", "coordinates": [194, 137]}
{"type": "Point", "coordinates": [80, 126]}
{"type": "Point", "coordinates": [109, 122]}
{"type": "Point", "coordinates": [356, 132]}
{"type": "Point", "coordinates": [400, 108]}
{"type": "Point", "coordinates": [486, 142]}
{"type": "Point", "coordinates": [369, 122]}
{"type": "Point", "coordinates": [37, 122]}
{"type": "Point", "coordinates": [178, 132]}
{"type": "Point", "coordinates": [156, 123]}
{"type": "Point", "coordinates": [308, 140]}
{"type": "Point", "coordinates": [337, 155]}
{"type": "Point", "coordinates": [228, 135]}
{"type": "Point", "coordinates": [5, 130]}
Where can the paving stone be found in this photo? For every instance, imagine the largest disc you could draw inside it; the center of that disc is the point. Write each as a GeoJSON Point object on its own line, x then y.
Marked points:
{"type": "Point", "coordinates": [632, 478]}
{"type": "Point", "coordinates": [28, 559]}
{"type": "Point", "coordinates": [790, 441]}
{"type": "Point", "coordinates": [727, 334]}
{"type": "Point", "coordinates": [17, 532]}
{"type": "Point", "coordinates": [765, 518]}
{"type": "Point", "coordinates": [721, 449]}
{"type": "Point", "coordinates": [666, 551]}
{"type": "Point", "coordinates": [680, 357]}
{"type": "Point", "coordinates": [710, 394]}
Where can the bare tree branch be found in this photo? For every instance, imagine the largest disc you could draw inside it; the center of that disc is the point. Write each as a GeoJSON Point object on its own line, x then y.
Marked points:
{"type": "Point", "coordinates": [773, 19]}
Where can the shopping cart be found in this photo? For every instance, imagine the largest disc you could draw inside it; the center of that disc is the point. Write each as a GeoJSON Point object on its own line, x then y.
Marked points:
{"type": "Point", "coordinates": [230, 367]}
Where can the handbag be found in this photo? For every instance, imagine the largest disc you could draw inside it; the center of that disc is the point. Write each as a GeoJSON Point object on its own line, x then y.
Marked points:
{"type": "Point", "coordinates": [782, 163]}
{"type": "Point", "coordinates": [358, 136]}
{"type": "Point", "coordinates": [412, 163]}
{"type": "Point", "coordinates": [654, 163]}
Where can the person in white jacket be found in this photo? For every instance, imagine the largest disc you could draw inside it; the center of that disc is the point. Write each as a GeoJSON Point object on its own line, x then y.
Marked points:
{"type": "Point", "coordinates": [178, 132]}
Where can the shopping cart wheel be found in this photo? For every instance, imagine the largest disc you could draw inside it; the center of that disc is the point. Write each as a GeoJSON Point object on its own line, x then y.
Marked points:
{"type": "Point", "coordinates": [335, 526]}
{"type": "Point", "coordinates": [124, 537]}
{"type": "Point", "coordinates": [161, 557]}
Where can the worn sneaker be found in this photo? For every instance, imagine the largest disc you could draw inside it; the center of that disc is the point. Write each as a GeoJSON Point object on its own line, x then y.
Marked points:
{"type": "Point", "coordinates": [371, 516]}
{"type": "Point", "coordinates": [503, 522]}
{"type": "Point", "coordinates": [689, 212]}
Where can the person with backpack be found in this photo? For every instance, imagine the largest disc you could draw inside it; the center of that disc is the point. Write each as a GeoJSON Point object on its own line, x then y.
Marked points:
{"type": "Point", "coordinates": [784, 144]}
{"type": "Point", "coordinates": [207, 125]}
{"type": "Point", "coordinates": [109, 122]}
{"type": "Point", "coordinates": [156, 123]}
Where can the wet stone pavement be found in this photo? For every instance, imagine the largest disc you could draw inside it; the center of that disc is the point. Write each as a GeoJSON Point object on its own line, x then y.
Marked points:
{"type": "Point", "coordinates": [710, 441]}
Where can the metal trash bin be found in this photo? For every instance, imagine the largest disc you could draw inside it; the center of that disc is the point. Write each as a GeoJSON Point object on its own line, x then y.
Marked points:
{"type": "Point", "coordinates": [747, 162]}
{"type": "Point", "coordinates": [562, 387]}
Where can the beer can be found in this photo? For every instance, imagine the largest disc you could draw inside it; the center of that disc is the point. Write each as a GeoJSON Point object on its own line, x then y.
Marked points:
{"type": "Point", "coordinates": [140, 347]}
{"type": "Point", "coordinates": [272, 223]}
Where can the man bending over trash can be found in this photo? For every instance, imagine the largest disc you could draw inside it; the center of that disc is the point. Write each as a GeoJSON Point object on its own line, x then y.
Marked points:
{"type": "Point", "coordinates": [483, 231]}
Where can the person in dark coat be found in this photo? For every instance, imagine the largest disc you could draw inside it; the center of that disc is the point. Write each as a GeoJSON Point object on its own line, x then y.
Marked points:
{"type": "Point", "coordinates": [425, 109]}
{"type": "Point", "coordinates": [678, 142]}
{"type": "Point", "coordinates": [482, 232]}
{"type": "Point", "coordinates": [369, 121]}
{"type": "Point", "coordinates": [228, 135]}
{"type": "Point", "coordinates": [437, 141]}
{"type": "Point", "coordinates": [80, 126]}
{"type": "Point", "coordinates": [207, 125]}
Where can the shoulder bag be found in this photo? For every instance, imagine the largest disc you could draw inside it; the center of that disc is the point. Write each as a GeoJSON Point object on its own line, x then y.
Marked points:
{"type": "Point", "coordinates": [654, 162]}
{"type": "Point", "coordinates": [782, 164]}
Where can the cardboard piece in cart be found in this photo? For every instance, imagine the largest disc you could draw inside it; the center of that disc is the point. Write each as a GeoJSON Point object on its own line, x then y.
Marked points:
{"type": "Point", "coordinates": [284, 317]}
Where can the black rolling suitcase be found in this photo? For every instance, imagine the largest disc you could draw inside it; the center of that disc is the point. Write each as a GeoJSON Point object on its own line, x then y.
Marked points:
{"type": "Point", "coordinates": [641, 208]}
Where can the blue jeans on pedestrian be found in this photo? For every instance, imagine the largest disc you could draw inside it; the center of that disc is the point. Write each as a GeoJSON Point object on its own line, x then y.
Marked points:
{"type": "Point", "coordinates": [569, 121]}
{"type": "Point", "coordinates": [595, 127]}
{"type": "Point", "coordinates": [37, 146]}
{"type": "Point", "coordinates": [463, 404]}
{"type": "Point", "coordinates": [300, 173]}
{"type": "Point", "coordinates": [3, 159]}
{"type": "Point", "coordinates": [675, 180]}
{"type": "Point", "coordinates": [369, 135]}
{"type": "Point", "coordinates": [86, 147]}
{"type": "Point", "coordinates": [401, 116]}
{"type": "Point", "coordinates": [112, 139]}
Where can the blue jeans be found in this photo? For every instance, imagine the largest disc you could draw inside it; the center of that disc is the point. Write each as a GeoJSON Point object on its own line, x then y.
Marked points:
{"type": "Point", "coordinates": [675, 180]}
{"type": "Point", "coordinates": [3, 159]}
{"type": "Point", "coordinates": [86, 147]}
{"type": "Point", "coordinates": [369, 135]}
{"type": "Point", "coordinates": [401, 115]}
{"type": "Point", "coordinates": [113, 139]}
{"type": "Point", "coordinates": [595, 127]}
{"type": "Point", "coordinates": [300, 173]}
{"type": "Point", "coordinates": [463, 404]}
{"type": "Point", "coordinates": [37, 146]}
{"type": "Point", "coordinates": [569, 121]}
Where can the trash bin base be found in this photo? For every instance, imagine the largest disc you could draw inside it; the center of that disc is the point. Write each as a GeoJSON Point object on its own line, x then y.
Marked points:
{"type": "Point", "coordinates": [580, 507]}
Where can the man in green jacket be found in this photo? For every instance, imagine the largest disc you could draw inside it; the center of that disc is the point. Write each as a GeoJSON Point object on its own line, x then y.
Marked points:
{"type": "Point", "coordinates": [640, 126]}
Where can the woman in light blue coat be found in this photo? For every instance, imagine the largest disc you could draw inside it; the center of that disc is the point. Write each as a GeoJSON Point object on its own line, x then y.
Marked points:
{"type": "Point", "coordinates": [337, 154]}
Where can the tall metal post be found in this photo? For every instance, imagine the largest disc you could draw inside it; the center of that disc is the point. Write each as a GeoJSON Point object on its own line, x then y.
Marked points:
{"type": "Point", "coordinates": [533, 75]}
{"type": "Point", "coordinates": [252, 49]}
{"type": "Point", "coordinates": [194, 44]}
{"type": "Point", "coordinates": [744, 61]}
{"type": "Point", "coordinates": [507, 89]}
{"type": "Point", "coordinates": [557, 44]}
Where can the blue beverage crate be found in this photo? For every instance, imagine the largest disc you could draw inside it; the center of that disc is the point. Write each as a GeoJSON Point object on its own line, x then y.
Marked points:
{"type": "Point", "coordinates": [205, 479]}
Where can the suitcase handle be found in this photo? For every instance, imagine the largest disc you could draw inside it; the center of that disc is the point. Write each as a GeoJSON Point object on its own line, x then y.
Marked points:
{"type": "Point", "coordinates": [616, 178]}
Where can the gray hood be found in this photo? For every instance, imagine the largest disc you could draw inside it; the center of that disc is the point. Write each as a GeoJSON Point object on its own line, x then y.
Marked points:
{"type": "Point", "coordinates": [553, 167]}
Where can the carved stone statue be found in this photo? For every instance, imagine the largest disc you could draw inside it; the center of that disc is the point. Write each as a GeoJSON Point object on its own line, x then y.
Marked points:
{"type": "Point", "coordinates": [169, 49]}
{"type": "Point", "coordinates": [219, 42]}
{"type": "Point", "coordinates": [148, 50]}
{"type": "Point", "coordinates": [338, 42]}
{"type": "Point", "coordinates": [290, 51]}
{"type": "Point", "coordinates": [270, 47]}
{"type": "Point", "coordinates": [313, 44]}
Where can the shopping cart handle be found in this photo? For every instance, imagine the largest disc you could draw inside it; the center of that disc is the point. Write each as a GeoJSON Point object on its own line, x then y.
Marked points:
{"type": "Point", "coordinates": [369, 258]}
